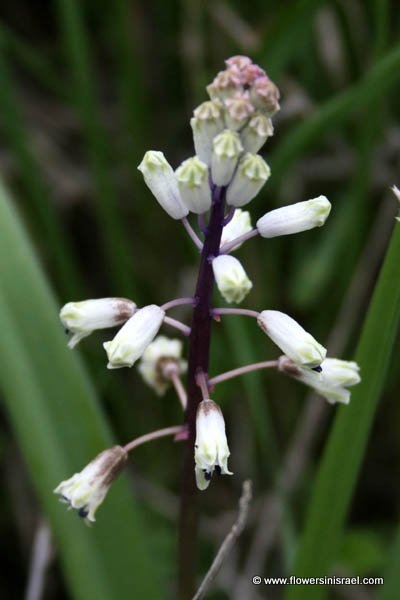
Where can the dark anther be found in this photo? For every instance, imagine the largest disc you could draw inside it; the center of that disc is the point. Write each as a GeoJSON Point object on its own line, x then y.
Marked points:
{"type": "Point", "coordinates": [218, 469]}
{"type": "Point", "coordinates": [67, 331]}
{"type": "Point", "coordinates": [207, 475]}
{"type": "Point", "coordinates": [83, 512]}
{"type": "Point", "coordinates": [317, 369]}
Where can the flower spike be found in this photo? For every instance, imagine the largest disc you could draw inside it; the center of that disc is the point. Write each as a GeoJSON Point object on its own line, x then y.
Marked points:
{"type": "Point", "coordinates": [160, 178]}
{"type": "Point", "coordinates": [231, 278]}
{"type": "Point", "coordinates": [85, 491]}
{"type": "Point", "coordinates": [211, 447]}
{"type": "Point", "coordinates": [291, 338]}
{"type": "Point", "coordinates": [134, 337]}
{"type": "Point", "coordinates": [294, 218]}
{"type": "Point", "coordinates": [82, 318]}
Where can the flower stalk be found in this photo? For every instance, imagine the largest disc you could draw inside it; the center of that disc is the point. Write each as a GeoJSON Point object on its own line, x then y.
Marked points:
{"type": "Point", "coordinates": [199, 351]}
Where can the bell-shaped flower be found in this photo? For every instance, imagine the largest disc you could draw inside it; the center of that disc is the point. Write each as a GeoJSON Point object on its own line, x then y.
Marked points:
{"type": "Point", "coordinates": [208, 122]}
{"type": "Point", "coordinates": [225, 84]}
{"type": "Point", "coordinates": [134, 337]}
{"type": "Point", "coordinates": [249, 178]}
{"type": "Point", "coordinates": [237, 226]}
{"type": "Point", "coordinates": [211, 450]}
{"type": "Point", "coordinates": [82, 318]}
{"type": "Point", "coordinates": [159, 358]}
{"type": "Point", "coordinates": [291, 338]}
{"type": "Point", "coordinates": [294, 218]}
{"type": "Point", "coordinates": [192, 176]}
{"type": "Point", "coordinates": [238, 110]}
{"type": "Point", "coordinates": [231, 278]}
{"type": "Point", "coordinates": [86, 490]}
{"type": "Point", "coordinates": [160, 178]}
{"type": "Point", "coordinates": [331, 382]}
{"type": "Point", "coordinates": [256, 133]}
{"type": "Point", "coordinates": [227, 148]}
{"type": "Point", "coordinates": [265, 96]}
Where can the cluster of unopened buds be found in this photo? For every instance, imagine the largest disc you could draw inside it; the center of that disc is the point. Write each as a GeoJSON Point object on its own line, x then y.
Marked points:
{"type": "Point", "coordinates": [225, 174]}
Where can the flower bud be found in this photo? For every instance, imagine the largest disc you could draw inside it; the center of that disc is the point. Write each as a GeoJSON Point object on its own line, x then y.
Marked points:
{"type": "Point", "coordinates": [256, 133]}
{"type": "Point", "coordinates": [134, 337]}
{"type": "Point", "coordinates": [331, 382]}
{"type": "Point", "coordinates": [231, 278]}
{"type": "Point", "coordinates": [239, 61]}
{"type": "Point", "coordinates": [82, 318]}
{"type": "Point", "coordinates": [192, 176]}
{"type": "Point", "coordinates": [249, 178]}
{"type": "Point", "coordinates": [237, 226]}
{"type": "Point", "coordinates": [294, 218]}
{"type": "Point", "coordinates": [225, 84]}
{"type": "Point", "coordinates": [159, 358]}
{"type": "Point", "coordinates": [85, 491]}
{"type": "Point", "coordinates": [211, 450]}
{"type": "Point", "coordinates": [238, 110]}
{"type": "Point", "coordinates": [265, 96]}
{"type": "Point", "coordinates": [207, 122]}
{"type": "Point", "coordinates": [160, 178]}
{"type": "Point", "coordinates": [291, 338]}
{"type": "Point", "coordinates": [227, 148]}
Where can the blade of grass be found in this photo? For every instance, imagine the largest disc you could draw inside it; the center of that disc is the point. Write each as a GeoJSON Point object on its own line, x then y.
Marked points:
{"type": "Point", "coordinates": [391, 575]}
{"type": "Point", "coordinates": [32, 60]}
{"type": "Point", "coordinates": [39, 204]}
{"type": "Point", "coordinates": [115, 237]}
{"type": "Point", "coordinates": [375, 84]}
{"type": "Point", "coordinates": [283, 37]}
{"type": "Point", "coordinates": [345, 448]}
{"type": "Point", "coordinates": [60, 427]}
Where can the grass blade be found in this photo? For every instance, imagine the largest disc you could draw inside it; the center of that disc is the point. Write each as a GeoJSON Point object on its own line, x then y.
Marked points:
{"type": "Point", "coordinates": [375, 84]}
{"type": "Point", "coordinates": [60, 427]}
{"type": "Point", "coordinates": [345, 448]}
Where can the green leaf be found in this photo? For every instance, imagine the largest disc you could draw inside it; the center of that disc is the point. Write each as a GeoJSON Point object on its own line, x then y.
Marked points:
{"type": "Point", "coordinates": [346, 445]}
{"type": "Point", "coordinates": [60, 428]}
{"type": "Point", "coordinates": [375, 83]}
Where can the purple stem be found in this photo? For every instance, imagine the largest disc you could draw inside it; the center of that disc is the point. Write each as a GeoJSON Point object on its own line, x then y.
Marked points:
{"type": "Point", "coordinates": [235, 311]}
{"type": "Point", "coordinates": [226, 248]}
{"type": "Point", "coordinates": [176, 302]}
{"type": "Point", "coordinates": [266, 364]}
{"type": "Point", "coordinates": [178, 325]}
{"type": "Point", "coordinates": [229, 215]}
{"type": "Point", "coordinates": [153, 435]}
{"type": "Point", "coordinates": [199, 349]}
{"type": "Point", "coordinates": [202, 223]}
{"type": "Point", "coordinates": [193, 235]}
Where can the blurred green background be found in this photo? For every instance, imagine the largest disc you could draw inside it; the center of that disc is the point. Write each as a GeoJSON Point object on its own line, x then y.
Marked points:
{"type": "Point", "coordinates": [85, 89]}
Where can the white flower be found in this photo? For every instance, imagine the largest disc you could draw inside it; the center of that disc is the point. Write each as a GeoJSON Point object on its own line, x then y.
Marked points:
{"type": "Point", "coordinates": [331, 382]}
{"type": "Point", "coordinates": [211, 450]}
{"type": "Point", "coordinates": [291, 338]}
{"type": "Point", "coordinates": [134, 337]}
{"type": "Point", "coordinates": [396, 192]}
{"type": "Point", "coordinates": [249, 178]}
{"type": "Point", "coordinates": [86, 490]}
{"type": "Point", "coordinates": [82, 318]}
{"type": "Point", "coordinates": [208, 122]}
{"type": "Point", "coordinates": [160, 356]}
{"type": "Point", "coordinates": [160, 178]}
{"type": "Point", "coordinates": [227, 148]}
{"type": "Point", "coordinates": [231, 278]}
{"type": "Point", "coordinates": [237, 226]}
{"type": "Point", "coordinates": [192, 176]}
{"type": "Point", "coordinates": [294, 218]}
{"type": "Point", "coordinates": [256, 133]}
